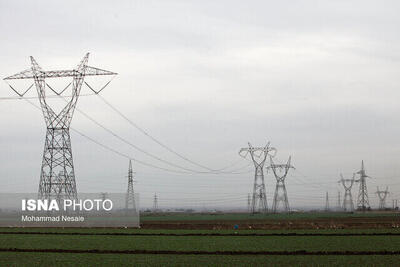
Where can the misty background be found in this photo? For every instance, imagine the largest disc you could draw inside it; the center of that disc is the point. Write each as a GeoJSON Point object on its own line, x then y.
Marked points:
{"type": "Point", "coordinates": [319, 79]}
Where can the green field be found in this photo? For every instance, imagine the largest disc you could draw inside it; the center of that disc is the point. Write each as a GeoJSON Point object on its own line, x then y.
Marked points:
{"type": "Point", "coordinates": [65, 239]}
{"type": "Point", "coordinates": [161, 245]}
{"type": "Point", "coordinates": [58, 259]}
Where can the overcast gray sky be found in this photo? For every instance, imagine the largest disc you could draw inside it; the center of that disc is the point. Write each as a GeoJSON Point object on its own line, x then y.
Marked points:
{"type": "Point", "coordinates": [319, 79]}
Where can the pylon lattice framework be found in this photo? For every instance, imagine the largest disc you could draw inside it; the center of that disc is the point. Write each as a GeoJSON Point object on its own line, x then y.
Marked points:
{"type": "Point", "coordinates": [248, 202]}
{"type": "Point", "coordinates": [339, 203]}
{"type": "Point", "coordinates": [362, 200]}
{"type": "Point", "coordinates": [348, 204]}
{"type": "Point", "coordinates": [57, 177]}
{"type": "Point", "coordinates": [259, 193]}
{"type": "Point", "coordinates": [382, 197]}
{"type": "Point", "coordinates": [327, 202]}
{"type": "Point", "coordinates": [280, 189]}
{"type": "Point", "coordinates": [130, 193]}
{"type": "Point", "coordinates": [155, 203]}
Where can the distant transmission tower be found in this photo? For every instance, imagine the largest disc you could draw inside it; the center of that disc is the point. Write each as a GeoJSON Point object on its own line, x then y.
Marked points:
{"type": "Point", "coordinates": [280, 172]}
{"type": "Point", "coordinates": [130, 194]}
{"type": "Point", "coordinates": [248, 202]}
{"type": "Point", "coordinates": [259, 194]}
{"type": "Point", "coordinates": [103, 195]}
{"type": "Point", "coordinates": [382, 197]}
{"type": "Point", "coordinates": [155, 202]}
{"type": "Point", "coordinates": [348, 204]}
{"type": "Point", "coordinates": [327, 202]}
{"type": "Point", "coordinates": [57, 178]}
{"type": "Point", "coordinates": [362, 200]}
{"type": "Point", "coordinates": [339, 204]}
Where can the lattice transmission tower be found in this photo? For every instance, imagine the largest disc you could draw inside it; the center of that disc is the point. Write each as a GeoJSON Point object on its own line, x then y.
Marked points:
{"type": "Point", "coordinates": [382, 197]}
{"type": "Point", "coordinates": [103, 195]}
{"type": "Point", "coordinates": [280, 172]}
{"type": "Point", "coordinates": [339, 203]}
{"type": "Point", "coordinates": [130, 193]}
{"type": "Point", "coordinates": [248, 202]}
{"type": "Point", "coordinates": [327, 202]}
{"type": "Point", "coordinates": [258, 156]}
{"type": "Point", "coordinates": [57, 176]}
{"type": "Point", "coordinates": [348, 204]}
{"type": "Point", "coordinates": [155, 203]}
{"type": "Point", "coordinates": [362, 200]}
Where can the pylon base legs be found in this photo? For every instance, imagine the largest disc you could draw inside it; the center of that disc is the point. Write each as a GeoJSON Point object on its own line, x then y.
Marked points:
{"type": "Point", "coordinates": [57, 178]}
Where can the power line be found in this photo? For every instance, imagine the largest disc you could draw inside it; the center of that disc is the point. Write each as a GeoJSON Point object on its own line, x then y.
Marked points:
{"type": "Point", "coordinates": [155, 139]}
{"type": "Point", "coordinates": [120, 153]}
{"type": "Point", "coordinates": [116, 151]}
{"type": "Point", "coordinates": [142, 150]}
{"type": "Point", "coordinates": [146, 133]}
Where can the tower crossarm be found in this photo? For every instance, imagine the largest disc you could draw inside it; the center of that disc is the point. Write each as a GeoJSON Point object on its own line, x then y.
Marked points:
{"type": "Point", "coordinates": [285, 167]}
{"type": "Point", "coordinates": [347, 183]}
{"type": "Point", "coordinates": [87, 71]}
{"type": "Point", "coordinates": [257, 152]}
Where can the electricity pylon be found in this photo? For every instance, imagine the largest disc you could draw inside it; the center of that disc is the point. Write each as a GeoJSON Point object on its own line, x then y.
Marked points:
{"type": "Point", "coordinates": [280, 172]}
{"type": "Point", "coordinates": [259, 194]}
{"type": "Point", "coordinates": [130, 193]}
{"type": "Point", "coordinates": [248, 202]}
{"type": "Point", "coordinates": [327, 202]}
{"type": "Point", "coordinates": [348, 204]}
{"type": "Point", "coordinates": [339, 204]}
{"type": "Point", "coordinates": [382, 197]}
{"type": "Point", "coordinates": [103, 196]}
{"type": "Point", "coordinates": [362, 200]}
{"type": "Point", "coordinates": [57, 177]}
{"type": "Point", "coordinates": [155, 203]}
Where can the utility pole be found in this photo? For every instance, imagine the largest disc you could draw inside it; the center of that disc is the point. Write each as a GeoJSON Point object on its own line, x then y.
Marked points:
{"type": "Point", "coordinates": [130, 193]}
{"type": "Point", "coordinates": [280, 172]}
{"type": "Point", "coordinates": [339, 204]}
{"type": "Point", "coordinates": [348, 204]}
{"type": "Point", "coordinates": [362, 200]}
{"type": "Point", "coordinates": [382, 197]}
{"type": "Point", "coordinates": [327, 202]}
{"type": "Point", "coordinates": [57, 176]}
{"type": "Point", "coordinates": [155, 203]}
{"type": "Point", "coordinates": [259, 193]}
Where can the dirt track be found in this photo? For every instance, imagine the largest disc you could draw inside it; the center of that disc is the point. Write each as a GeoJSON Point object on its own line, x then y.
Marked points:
{"type": "Point", "coordinates": [201, 234]}
{"type": "Point", "coordinates": [174, 252]}
{"type": "Point", "coordinates": [317, 223]}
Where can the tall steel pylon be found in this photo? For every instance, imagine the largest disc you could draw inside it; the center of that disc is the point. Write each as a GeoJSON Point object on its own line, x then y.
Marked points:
{"type": "Point", "coordinates": [348, 204]}
{"type": "Point", "coordinates": [248, 202]}
{"type": "Point", "coordinates": [382, 197]}
{"type": "Point", "coordinates": [259, 194]}
{"type": "Point", "coordinates": [362, 200]}
{"type": "Point", "coordinates": [103, 195]}
{"type": "Point", "coordinates": [155, 202]}
{"type": "Point", "coordinates": [339, 204]}
{"type": "Point", "coordinates": [57, 177]}
{"type": "Point", "coordinates": [280, 172]}
{"type": "Point", "coordinates": [327, 202]}
{"type": "Point", "coordinates": [130, 193]}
